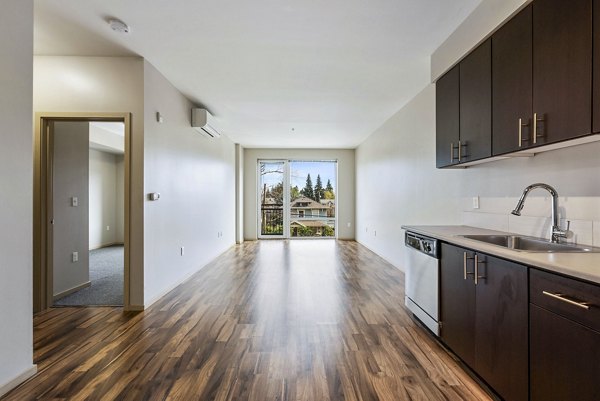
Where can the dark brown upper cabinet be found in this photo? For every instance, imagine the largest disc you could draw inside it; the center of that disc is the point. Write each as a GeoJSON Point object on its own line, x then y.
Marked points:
{"type": "Point", "coordinates": [476, 104]}
{"type": "Point", "coordinates": [447, 118]}
{"type": "Point", "coordinates": [562, 70]}
{"type": "Point", "coordinates": [527, 86]}
{"type": "Point", "coordinates": [512, 84]}
{"type": "Point", "coordinates": [596, 73]}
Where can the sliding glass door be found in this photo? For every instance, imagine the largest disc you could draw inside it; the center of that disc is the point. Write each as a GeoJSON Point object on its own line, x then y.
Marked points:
{"type": "Point", "coordinates": [297, 199]}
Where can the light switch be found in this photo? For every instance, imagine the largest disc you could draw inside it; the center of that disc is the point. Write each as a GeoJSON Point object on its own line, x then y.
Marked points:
{"type": "Point", "coordinates": [75, 256]}
{"type": "Point", "coordinates": [74, 201]}
{"type": "Point", "coordinates": [476, 202]}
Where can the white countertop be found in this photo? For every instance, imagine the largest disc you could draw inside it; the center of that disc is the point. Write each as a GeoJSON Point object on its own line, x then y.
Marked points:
{"type": "Point", "coordinates": [580, 265]}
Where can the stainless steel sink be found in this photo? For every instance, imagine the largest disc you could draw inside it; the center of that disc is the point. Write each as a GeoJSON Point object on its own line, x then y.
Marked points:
{"type": "Point", "coordinates": [530, 244]}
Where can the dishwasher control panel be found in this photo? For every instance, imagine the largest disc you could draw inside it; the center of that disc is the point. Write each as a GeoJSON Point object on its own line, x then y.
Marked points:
{"type": "Point", "coordinates": [426, 245]}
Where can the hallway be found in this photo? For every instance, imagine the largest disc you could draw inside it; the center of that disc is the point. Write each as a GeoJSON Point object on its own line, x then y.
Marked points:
{"type": "Point", "coordinates": [267, 320]}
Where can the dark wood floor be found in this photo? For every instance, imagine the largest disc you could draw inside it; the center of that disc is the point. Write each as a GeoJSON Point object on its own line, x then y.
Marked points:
{"type": "Point", "coordinates": [269, 320]}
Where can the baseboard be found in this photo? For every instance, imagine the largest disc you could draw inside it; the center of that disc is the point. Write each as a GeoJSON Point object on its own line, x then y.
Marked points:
{"type": "Point", "coordinates": [134, 308]}
{"type": "Point", "coordinates": [20, 378]}
{"type": "Point", "coordinates": [182, 280]}
{"type": "Point", "coordinates": [383, 257]}
{"type": "Point", "coordinates": [106, 245]}
{"type": "Point", "coordinates": [71, 290]}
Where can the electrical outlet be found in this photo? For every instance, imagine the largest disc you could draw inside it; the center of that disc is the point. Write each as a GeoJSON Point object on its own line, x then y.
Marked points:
{"type": "Point", "coordinates": [476, 202]}
{"type": "Point", "coordinates": [107, 228]}
{"type": "Point", "coordinates": [182, 251]}
{"type": "Point", "coordinates": [75, 256]}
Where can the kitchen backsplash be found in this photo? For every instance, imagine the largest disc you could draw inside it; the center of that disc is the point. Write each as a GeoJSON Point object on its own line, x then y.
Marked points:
{"type": "Point", "coordinates": [494, 213]}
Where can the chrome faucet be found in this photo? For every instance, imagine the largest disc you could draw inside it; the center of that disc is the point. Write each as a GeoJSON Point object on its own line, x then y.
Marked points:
{"type": "Point", "coordinates": [557, 232]}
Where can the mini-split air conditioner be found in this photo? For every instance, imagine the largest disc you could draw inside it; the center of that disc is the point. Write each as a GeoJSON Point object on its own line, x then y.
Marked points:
{"type": "Point", "coordinates": [204, 123]}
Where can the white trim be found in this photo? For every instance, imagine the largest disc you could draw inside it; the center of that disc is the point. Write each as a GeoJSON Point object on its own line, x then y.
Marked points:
{"type": "Point", "coordinates": [287, 213]}
{"type": "Point", "coordinates": [70, 291]}
{"type": "Point", "coordinates": [107, 245]}
{"type": "Point", "coordinates": [164, 292]}
{"type": "Point", "coordinates": [20, 378]}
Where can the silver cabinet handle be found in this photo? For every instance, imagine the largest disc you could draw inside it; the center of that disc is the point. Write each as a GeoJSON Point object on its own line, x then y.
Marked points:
{"type": "Point", "coordinates": [561, 297]}
{"type": "Point", "coordinates": [451, 152]}
{"type": "Point", "coordinates": [477, 276]}
{"type": "Point", "coordinates": [521, 125]}
{"type": "Point", "coordinates": [465, 258]}
{"type": "Point", "coordinates": [535, 131]}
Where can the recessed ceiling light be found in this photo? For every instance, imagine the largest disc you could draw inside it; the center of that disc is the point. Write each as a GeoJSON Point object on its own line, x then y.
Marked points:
{"type": "Point", "coordinates": [118, 26]}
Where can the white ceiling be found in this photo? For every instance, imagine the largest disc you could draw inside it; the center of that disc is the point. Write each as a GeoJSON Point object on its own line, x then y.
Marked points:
{"type": "Point", "coordinates": [333, 70]}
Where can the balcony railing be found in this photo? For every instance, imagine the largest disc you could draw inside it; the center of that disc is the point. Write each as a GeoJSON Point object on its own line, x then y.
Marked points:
{"type": "Point", "coordinates": [271, 219]}
{"type": "Point", "coordinates": [306, 225]}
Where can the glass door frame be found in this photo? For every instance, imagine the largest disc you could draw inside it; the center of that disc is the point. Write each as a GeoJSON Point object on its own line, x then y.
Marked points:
{"type": "Point", "coordinates": [289, 211]}
{"type": "Point", "coordinates": [286, 200]}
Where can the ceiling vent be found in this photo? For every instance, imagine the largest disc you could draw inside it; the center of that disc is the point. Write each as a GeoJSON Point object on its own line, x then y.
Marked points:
{"type": "Point", "coordinates": [204, 123]}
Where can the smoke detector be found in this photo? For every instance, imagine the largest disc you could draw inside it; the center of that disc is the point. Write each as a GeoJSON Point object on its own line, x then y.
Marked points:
{"type": "Point", "coordinates": [118, 26]}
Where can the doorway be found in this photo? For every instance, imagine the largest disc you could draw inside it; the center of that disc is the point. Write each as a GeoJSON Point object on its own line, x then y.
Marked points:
{"type": "Point", "coordinates": [81, 229]}
{"type": "Point", "coordinates": [297, 199]}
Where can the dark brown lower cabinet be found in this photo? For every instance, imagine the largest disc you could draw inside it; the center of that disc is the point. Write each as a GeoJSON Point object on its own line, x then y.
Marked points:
{"type": "Point", "coordinates": [565, 338]}
{"type": "Point", "coordinates": [457, 303]}
{"type": "Point", "coordinates": [565, 359]}
{"type": "Point", "coordinates": [484, 307]}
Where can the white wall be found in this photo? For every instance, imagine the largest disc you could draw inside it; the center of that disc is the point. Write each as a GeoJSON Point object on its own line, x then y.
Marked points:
{"type": "Point", "coordinates": [16, 161]}
{"type": "Point", "coordinates": [574, 172]}
{"type": "Point", "coordinates": [345, 184]}
{"type": "Point", "coordinates": [487, 17]}
{"type": "Point", "coordinates": [102, 84]}
{"type": "Point", "coordinates": [70, 231]}
{"type": "Point", "coordinates": [397, 182]}
{"type": "Point", "coordinates": [105, 198]}
{"type": "Point", "coordinates": [195, 177]}
{"type": "Point", "coordinates": [401, 155]}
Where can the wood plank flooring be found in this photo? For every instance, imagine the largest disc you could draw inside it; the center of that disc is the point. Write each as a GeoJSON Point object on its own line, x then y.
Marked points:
{"type": "Point", "coordinates": [269, 320]}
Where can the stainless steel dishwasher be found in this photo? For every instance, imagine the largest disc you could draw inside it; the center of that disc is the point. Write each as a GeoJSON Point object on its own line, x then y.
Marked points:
{"type": "Point", "coordinates": [422, 279]}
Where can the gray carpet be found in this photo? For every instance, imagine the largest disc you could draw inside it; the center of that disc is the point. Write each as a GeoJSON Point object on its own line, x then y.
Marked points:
{"type": "Point", "coordinates": [106, 276]}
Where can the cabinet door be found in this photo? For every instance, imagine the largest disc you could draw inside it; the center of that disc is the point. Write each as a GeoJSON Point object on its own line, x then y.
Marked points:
{"type": "Point", "coordinates": [562, 68]}
{"type": "Point", "coordinates": [457, 301]}
{"type": "Point", "coordinates": [447, 118]}
{"type": "Point", "coordinates": [512, 84]}
{"type": "Point", "coordinates": [476, 104]}
{"type": "Point", "coordinates": [501, 343]}
{"type": "Point", "coordinates": [565, 358]}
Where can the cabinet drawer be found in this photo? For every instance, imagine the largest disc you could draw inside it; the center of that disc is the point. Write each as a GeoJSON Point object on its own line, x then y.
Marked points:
{"type": "Point", "coordinates": [567, 297]}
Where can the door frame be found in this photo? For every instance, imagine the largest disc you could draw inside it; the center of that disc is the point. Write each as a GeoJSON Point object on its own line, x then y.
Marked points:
{"type": "Point", "coordinates": [42, 202]}
{"type": "Point", "coordinates": [286, 199]}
